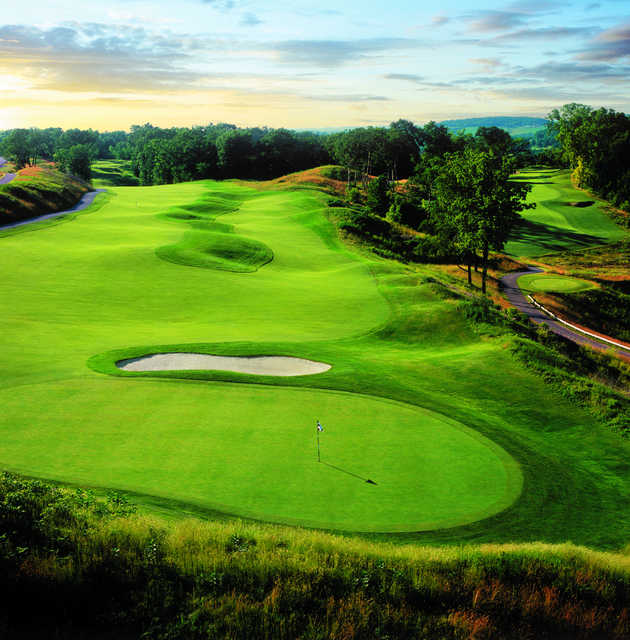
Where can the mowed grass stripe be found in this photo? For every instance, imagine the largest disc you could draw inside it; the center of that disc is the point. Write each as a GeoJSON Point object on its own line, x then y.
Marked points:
{"type": "Point", "coordinates": [96, 284]}
{"type": "Point", "coordinates": [557, 224]}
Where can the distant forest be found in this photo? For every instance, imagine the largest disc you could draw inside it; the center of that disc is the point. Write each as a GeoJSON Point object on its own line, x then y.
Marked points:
{"type": "Point", "coordinates": [595, 144]}
{"type": "Point", "coordinates": [164, 156]}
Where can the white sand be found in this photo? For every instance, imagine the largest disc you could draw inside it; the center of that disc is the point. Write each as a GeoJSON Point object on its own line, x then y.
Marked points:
{"type": "Point", "coordinates": [259, 365]}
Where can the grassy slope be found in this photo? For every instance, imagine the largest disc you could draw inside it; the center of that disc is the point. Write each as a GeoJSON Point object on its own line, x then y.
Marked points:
{"type": "Point", "coordinates": [318, 302]}
{"type": "Point", "coordinates": [113, 173]}
{"type": "Point", "coordinates": [555, 225]}
{"type": "Point", "coordinates": [36, 191]}
{"type": "Point", "coordinates": [74, 568]}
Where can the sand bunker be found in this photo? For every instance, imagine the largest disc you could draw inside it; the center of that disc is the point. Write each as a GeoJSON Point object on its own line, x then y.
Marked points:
{"type": "Point", "coordinates": [258, 365]}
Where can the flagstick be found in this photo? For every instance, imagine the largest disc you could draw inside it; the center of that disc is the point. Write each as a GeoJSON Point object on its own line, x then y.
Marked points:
{"type": "Point", "coordinates": [318, 458]}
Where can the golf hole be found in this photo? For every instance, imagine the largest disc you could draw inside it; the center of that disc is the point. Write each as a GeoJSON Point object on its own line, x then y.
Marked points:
{"type": "Point", "coordinates": [283, 366]}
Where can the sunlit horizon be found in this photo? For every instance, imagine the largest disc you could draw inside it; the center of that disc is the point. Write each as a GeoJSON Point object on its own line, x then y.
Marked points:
{"type": "Point", "coordinates": [281, 64]}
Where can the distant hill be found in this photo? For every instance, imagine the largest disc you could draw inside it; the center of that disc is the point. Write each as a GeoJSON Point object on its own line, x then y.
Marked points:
{"type": "Point", "coordinates": [514, 125]}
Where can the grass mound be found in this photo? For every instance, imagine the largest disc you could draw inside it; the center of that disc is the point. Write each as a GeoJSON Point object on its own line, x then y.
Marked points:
{"type": "Point", "coordinates": [538, 283]}
{"type": "Point", "coordinates": [212, 244]}
{"type": "Point", "coordinates": [37, 191]}
{"type": "Point", "coordinates": [113, 173]}
{"type": "Point", "coordinates": [215, 250]}
{"type": "Point", "coordinates": [326, 178]}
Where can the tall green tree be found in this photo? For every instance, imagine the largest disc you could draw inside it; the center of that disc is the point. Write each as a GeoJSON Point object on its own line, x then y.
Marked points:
{"type": "Point", "coordinates": [378, 196]}
{"type": "Point", "coordinates": [17, 146]}
{"type": "Point", "coordinates": [476, 205]}
{"type": "Point", "coordinates": [76, 160]}
{"type": "Point", "coordinates": [566, 124]}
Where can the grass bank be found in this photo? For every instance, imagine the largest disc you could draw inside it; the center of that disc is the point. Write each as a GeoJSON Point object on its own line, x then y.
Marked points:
{"type": "Point", "coordinates": [36, 191]}
{"type": "Point", "coordinates": [76, 567]}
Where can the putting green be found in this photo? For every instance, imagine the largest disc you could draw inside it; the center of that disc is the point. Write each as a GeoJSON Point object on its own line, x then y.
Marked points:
{"type": "Point", "coordinates": [251, 451]}
{"type": "Point", "coordinates": [538, 282]}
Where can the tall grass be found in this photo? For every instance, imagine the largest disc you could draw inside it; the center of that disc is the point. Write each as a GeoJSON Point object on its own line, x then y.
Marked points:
{"type": "Point", "coordinates": [87, 564]}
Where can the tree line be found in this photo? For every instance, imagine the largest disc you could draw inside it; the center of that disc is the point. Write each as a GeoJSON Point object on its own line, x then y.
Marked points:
{"type": "Point", "coordinates": [163, 156]}
{"type": "Point", "coordinates": [595, 144]}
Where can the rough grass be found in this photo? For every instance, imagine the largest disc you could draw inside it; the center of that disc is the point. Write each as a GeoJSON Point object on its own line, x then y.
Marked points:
{"type": "Point", "coordinates": [37, 191]}
{"type": "Point", "coordinates": [74, 566]}
{"type": "Point", "coordinates": [610, 262]}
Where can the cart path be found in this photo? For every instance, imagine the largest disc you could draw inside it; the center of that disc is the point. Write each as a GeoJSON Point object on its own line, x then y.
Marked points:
{"type": "Point", "coordinates": [85, 202]}
{"type": "Point", "coordinates": [7, 176]}
{"type": "Point", "coordinates": [519, 302]}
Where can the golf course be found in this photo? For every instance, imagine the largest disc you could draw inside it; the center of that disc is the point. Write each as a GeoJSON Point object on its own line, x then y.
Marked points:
{"type": "Point", "coordinates": [563, 219]}
{"type": "Point", "coordinates": [432, 431]}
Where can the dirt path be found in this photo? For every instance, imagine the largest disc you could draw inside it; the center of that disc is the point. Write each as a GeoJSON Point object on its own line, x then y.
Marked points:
{"type": "Point", "coordinates": [85, 201]}
{"type": "Point", "coordinates": [518, 300]}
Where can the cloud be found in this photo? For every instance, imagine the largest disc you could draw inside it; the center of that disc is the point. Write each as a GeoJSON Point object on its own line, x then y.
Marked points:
{"type": "Point", "coordinates": [438, 21]}
{"type": "Point", "coordinates": [580, 74]}
{"type": "Point", "coordinates": [250, 20]}
{"type": "Point", "coordinates": [408, 77]}
{"type": "Point", "coordinates": [488, 64]}
{"type": "Point", "coordinates": [101, 58]}
{"type": "Point", "coordinates": [335, 53]}
{"type": "Point", "coordinates": [348, 97]}
{"type": "Point", "coordinates": [543, 33]}
{"type": "Point", "coordinates": [221, 4]}
{"type": "Point", "coordinates": [613, 44]}
{"type": "Point", "coordinates": [491, 21]}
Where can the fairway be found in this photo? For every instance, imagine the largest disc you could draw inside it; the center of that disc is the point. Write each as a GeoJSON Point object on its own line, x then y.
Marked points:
{"type": "Point", "coordinates": [459, 440]}
{"type": "Point", "coordinates": [552, 283]}
{"type": "Point", "coordinates": [564, 218]}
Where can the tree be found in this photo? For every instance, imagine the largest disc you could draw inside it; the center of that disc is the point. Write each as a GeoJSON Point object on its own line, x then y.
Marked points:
{"type": "Point", "coordinates": [565, 123]}
{"type": "Point", "coordinates": [378, 196]}
{"type": "Point", "coordinates": [494, 139]}
{"type": "Point", "coordinates": [476, 205]}
{"type": "Point", "coordinates": [16, 146]}
{"type": "Point", "coordinates": [235, 150]}
{"type": "Point", "coordinates": [76, 160]}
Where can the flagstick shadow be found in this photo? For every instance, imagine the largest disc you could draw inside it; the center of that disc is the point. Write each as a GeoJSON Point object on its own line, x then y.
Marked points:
{"type": "Point", "coordinates": [354, 475]}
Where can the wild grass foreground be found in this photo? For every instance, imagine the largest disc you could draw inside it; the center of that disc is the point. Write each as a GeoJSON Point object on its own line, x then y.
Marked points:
{"type": "Point", "coordinates": [66, 556]}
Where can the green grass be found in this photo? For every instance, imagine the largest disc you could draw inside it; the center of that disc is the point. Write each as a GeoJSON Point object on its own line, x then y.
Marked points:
{"type": "Point", "coordinates": [113, 173]}
{"type": "Point", "coordinates": [564, 218]}
{"type": "Point", "coordinates": [76, 566]}
{"type": "Point", "coordinates": [537, 283]}
{"type": "Point", "coordinates": [445, 421]}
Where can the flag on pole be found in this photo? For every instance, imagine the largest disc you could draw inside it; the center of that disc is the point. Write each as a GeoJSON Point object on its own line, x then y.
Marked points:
{"type": "Point", "coordinates": [319, 426]}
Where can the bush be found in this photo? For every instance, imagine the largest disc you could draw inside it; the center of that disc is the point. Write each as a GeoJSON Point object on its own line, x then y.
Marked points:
{"type": "Point", "coordinates": [482, 310]}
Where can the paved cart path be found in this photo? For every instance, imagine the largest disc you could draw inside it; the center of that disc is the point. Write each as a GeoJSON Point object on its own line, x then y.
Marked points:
{"type": "Point", "coordinates": [7, 177]}
{"type": "Point", "coordinates": [518, 300]}
{"type": "Point", "coordinates": [85, 201]}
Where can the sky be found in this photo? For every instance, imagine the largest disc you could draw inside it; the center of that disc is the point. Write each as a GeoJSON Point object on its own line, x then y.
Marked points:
{"type": "Point", "coordinates": [290, 63]}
